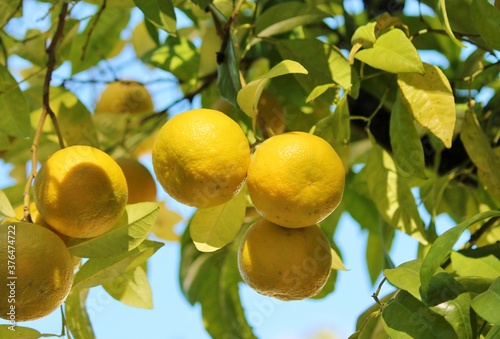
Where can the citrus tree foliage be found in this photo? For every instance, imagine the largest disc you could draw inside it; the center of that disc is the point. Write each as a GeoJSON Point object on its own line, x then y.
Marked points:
{"type": "Point", "coordinates": [418, 139]}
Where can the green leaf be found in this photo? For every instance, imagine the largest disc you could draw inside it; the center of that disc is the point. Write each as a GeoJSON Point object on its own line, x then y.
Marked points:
{"type": "Point", "coordinates": [392, 196]}
{"type": "Point", "coordinates": [77, 318]}
{"type": "Point", "coordinates": [393, 53]}
{"type": "Point", "coordinates": [177, 55]}
{"type": "Point", "coordinates": [486, 304]}
{"type": "Point", "coordinates": [248, 97]}
{"type": "Point", "coordinates": [365, 35]}
{"type": "Point", "coordinates": [75, 123]}
{"type": "Point", "coordinates": [160, 13]}
{"type": "Point", "coordinates": [432, 191]}
{"type": "Point", "coordinates": [286, 16]}
{"type": "Point", "coordinates": [486, 267]}
{"type": "Point", "coordinates": [8, 9]}
{"type": "Point", "coordinates": [98, 271]}
{"type": "Point", "coordinates": [130, 231]}
{"type": "Point", "coordinates": [14, 331]}
{"type": "Point", "coordinates": [442, 247]}
{"type": "Point", "coordinates": [104, 37]}
{"type": "Point", "coordinates": [132, 288]}
{"type": "Point", "coordinates": [457, 312]}
{"type": "Point", "coordinates": [318, 90]}
{"type": "Point", "coordinates": [228, 79]}
{"type": "Point", "coordinates": [405, 141]}
{"type": "Point", "coordinates": [6, 208]}
{"type": "Point", "coordinates": [215, 227]}
{"type": "Point", "coordinates": [30, 46]}
{"type": "Point", "coordinates": [406, 317]}
{"type": "Point", "coordinates": [430, 99]}
{"type": "Point", "coordinates": [486, 18]}
{"type": "Point", "coordinates": [493, 333]}
{"type": "Point", "coordinates": [15, 111]}
{"type": "Point", "coordinates": [211, 279]}
{"type": "Point", "coordinates": [341, 123]}
{"type": "Point", "coordinates": [477, 146]}
{"type": "Point", "coordinates": [406, 277]}
{"type": "Point", "coordinates": [443, 17]}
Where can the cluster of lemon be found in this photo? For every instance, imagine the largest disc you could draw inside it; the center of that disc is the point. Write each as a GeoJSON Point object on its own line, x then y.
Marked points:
{"type": "Point", "coordinates": [79, 192]}
{"type": "Point", "coordinates": [202, 158]}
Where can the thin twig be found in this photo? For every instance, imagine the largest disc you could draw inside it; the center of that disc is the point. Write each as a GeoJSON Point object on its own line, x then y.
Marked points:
{"type": "Point", "coordinates": [377, 292]}
{"type": "Point", "coordinates": [91, 29]}
{"type": "Point", "coordinates": [47, 110]}
{"type": "Point", "coordinates": [480, 232]}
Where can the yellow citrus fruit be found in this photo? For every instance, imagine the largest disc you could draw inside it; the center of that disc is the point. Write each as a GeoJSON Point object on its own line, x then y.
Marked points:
{"type": "Point", "coordinates": [125, 97]}
{"type": "Point", "coordinates": [43, 269]}
{"type": "Point", "coordinates": [201, 157]}
{"type": "Point", "coordinates": [80, 191]}
{"type": "Point", "coordinates": [140, 182]}
{"type": "Point", "coordinates": [295, 179]}
{"type": "Point", "coordinates": [285, 263]}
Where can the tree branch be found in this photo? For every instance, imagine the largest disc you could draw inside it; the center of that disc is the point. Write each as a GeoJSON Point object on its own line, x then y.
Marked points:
{"type": "Point", "coordinates": [46, 110]}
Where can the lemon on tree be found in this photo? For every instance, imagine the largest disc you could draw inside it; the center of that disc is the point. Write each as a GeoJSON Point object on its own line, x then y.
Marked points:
{"type": "Point", "coordinates": [284, 263]}
{"type": "Point", "coordinates": [201, 157]}
{"type": "Point", "coordinates": [125, 97]}
{"type": "Point", "coordinates": [43, 271]}
{"type": "Point", "coordinates": [295, 179]}
{"type": "Point", "coordinates": [141, 184]}
{"type": "Point", "coordinates": [80, 191]}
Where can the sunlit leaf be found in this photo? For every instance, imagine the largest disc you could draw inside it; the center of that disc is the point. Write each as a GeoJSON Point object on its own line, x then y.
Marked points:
{"type": "Point", "coordinates": [132, 288]}
{"type": "Point", "coordinates": [406, 317]}
{"type": "Point", "coordinates": [160, 13]}
{"type": "Point", "coordinates": [392, 196]}
{"type": "Point", "coordinates": [393, 53]}
{"type": "Point", "coordinates": [163, 227]}
{"type": "Point", "coordinates": [141, 40]}
{"type": "Point", "coordinates": [6, 208]}
{"type": "Point", "coordinates": [214, 227]}
{"type": "Point", "coordinates": [132, 228]}
{"type": "Point", "coordinates": [430, 99]}
{"type": "Point", "coordinates": [8, 8]}
{"type": "Point", "coordinates": [486, 267]}
{"type": "Point", "coordinates": [493, 333]}
{"type": "Point", "coordinates": [98, 271]}
{"type": "Point", "coordinates": [406, 277]}
{"type": "Point", "coordinates": [76, 125]}
{"type": "Point", "coordinates": [210, 45]}
{"type": "Point", "coordinates": [442, 247]}
{"type": "Point", "coordinates": [365, 35]}
{"type": "Point", "coordinates": [77, 318]}
{"type": "Point", "coordinates": [248, 97]}
{"type": "Point", "coordinates": [486, 18]}
{"type": "Point", "coordinates": [285, 17]}
{"type": "Point", "coordinates": [478, 148]}
{"type": "Point", "coordinates": [486, 304]}
{"type": "Point", "coordinates": [15, 111]}
{"type": "Point", "coordinates": [405, 141]}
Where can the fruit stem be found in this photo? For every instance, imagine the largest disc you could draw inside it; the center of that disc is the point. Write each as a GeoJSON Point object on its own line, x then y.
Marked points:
{"type": "Point", "coordinates": [47, 110]}
{"type": "Point", "coordinates": [376, 293]}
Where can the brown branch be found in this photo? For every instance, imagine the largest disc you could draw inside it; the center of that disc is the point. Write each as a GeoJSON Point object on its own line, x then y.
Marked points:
{"type": "Point", "coordinates": [91, 29]}
{"type": "Point", "coordinates": [480, 232]}
{"type": "Point", "coordinates": [47, 110]}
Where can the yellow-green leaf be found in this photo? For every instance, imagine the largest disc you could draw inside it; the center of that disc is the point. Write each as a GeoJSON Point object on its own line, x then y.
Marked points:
{"type": "Point", "coordinates": [337, 263]}
{"type": "Point", "coordinates": [77, 318]}
{"type": "Point", "coordinates": [443, 17]}
{"type": "Point", "coordinates": [430, 99]}
{"type": "Point", "coordinates": [486, 304]}
{"type": "Point", "coordinates": [486, 267]}
{"type": "Point", "coordinates": [163, 227]}
{"type": "Point", "coordinates": [248, 97]}
{"type": "Point", "coordinates": [5, 206]}
{"type": "Point", "coordinates": [214, 227]}
{"type": "Point", "coordinates": [132, 288]}
{"type": "Point", "coordinates": [478, 148]}
{"type": "Point", "coordinates": [392, 52]}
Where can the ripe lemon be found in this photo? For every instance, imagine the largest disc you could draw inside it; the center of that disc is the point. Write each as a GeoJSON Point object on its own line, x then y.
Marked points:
{"type": "Point", "coordinates": [140, 182]}
{"type": "Point", "coordinates": [43, 269]}
{"type": "Point", "coordinates": [125, 97]}
{"type": "Point", "coordinates": [80, 191]}
{"type": "Point", "coordinates": [295, 179]}
{"type": "Point", "coordinates": [201, 157]}
{"type": "Point", "coordinates": [284, 263]}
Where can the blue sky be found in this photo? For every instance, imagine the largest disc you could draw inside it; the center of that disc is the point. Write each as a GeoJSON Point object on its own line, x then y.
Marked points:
{"type": "Point", "coordinates": [172, 317]}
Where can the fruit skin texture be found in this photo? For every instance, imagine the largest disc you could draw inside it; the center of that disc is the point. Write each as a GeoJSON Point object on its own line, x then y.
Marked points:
{"type": "Point", "coordinates": [43, 267]}
{"type": "Point", "coordinates": [141, 184]}
{"type": "Point", "coordinates": [284, 263]}
{"type": "Point", "coordinates": [201, 158]}
{"type": "Point", "coordinates": [295, 179]}
{"type": "Point", "coordinates": [125, 97]}
{"type": "Point", "coordinates": [81, 191]}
